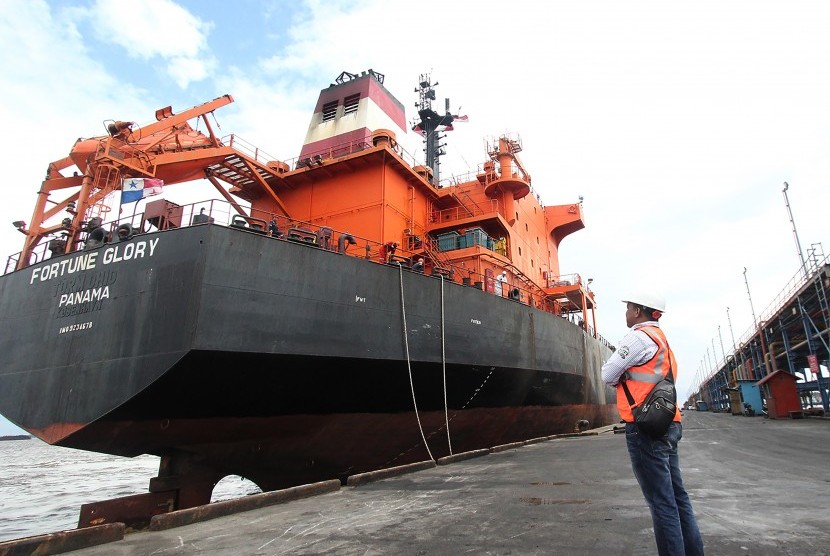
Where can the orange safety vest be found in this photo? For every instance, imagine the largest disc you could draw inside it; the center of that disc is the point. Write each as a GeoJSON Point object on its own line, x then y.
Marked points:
{"type": "Point", "coordinates": [641, 379]}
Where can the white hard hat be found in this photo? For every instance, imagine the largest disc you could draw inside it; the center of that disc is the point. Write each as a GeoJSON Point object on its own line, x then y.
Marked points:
{"type": "Point", "coordinates": [650, 299]}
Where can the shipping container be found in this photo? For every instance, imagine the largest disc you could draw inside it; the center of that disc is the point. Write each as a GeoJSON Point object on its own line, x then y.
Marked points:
{"type": "Point", "coordinates": [448, 241]}
{"type": "Point", "coordinates": [476, 236]}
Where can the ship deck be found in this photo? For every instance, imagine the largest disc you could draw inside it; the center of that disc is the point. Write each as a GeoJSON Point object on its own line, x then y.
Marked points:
{"type": "Point", "coordinates": [573, 495]}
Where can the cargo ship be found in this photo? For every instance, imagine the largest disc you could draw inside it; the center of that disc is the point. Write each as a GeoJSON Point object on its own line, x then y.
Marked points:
{"type": "Point", "coordinates": [340, 312]}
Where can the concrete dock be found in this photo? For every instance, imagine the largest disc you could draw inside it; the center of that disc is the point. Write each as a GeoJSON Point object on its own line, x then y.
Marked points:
{"type": "Point", "coordinates": [759, 487]}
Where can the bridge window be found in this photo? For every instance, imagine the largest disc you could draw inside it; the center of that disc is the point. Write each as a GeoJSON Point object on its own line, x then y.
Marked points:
{"type": "Point", "coordinates": [329, 110]}
{"type": "Point", "coordinates": [351, 103]}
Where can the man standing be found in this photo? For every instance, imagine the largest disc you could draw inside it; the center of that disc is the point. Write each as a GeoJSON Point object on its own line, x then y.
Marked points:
{"type": "Point", "coordinates": [643, 359]}
{"type": "Point", "coordinates": [502, 279]}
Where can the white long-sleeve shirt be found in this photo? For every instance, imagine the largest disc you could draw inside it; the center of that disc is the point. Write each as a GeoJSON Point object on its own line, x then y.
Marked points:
{"type": "Point", "coordinates": [635, 348]}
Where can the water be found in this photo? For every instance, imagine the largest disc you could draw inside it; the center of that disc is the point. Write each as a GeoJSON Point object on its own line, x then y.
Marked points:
{"type": "Point", "coordinates": [42, 487]}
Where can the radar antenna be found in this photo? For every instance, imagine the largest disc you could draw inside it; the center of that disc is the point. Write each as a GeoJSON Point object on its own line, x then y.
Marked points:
{"type": "Point", "coordinates": [431, 125]}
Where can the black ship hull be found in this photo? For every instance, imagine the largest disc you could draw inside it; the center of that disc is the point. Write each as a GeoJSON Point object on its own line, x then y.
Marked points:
{"type": "Point", "coordinates": [279, 361]}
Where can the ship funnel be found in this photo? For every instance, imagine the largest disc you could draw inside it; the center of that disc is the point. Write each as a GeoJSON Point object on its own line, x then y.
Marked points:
{"type": "Point", "coordinates": [349, 112]}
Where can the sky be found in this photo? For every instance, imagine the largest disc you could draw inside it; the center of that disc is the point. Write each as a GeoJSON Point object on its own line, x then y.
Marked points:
{"type": "Point", "coordinates": [676, 122]}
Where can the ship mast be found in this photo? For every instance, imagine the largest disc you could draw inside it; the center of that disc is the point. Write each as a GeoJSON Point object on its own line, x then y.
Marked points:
{"type": "Point", "coordinates": [432, 124]}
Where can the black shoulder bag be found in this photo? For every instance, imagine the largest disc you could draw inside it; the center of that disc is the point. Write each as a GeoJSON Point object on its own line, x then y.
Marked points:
{"type": "Point", "coordinates": [657, 412]}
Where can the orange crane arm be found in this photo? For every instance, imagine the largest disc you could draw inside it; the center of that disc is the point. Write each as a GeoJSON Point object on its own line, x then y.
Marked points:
{"type": "Point", "coordinates": [167, 120]}
{"type": "Point", "coordinates": [168, 148]}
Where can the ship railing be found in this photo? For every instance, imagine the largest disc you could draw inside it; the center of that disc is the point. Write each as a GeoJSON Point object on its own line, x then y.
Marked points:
{"type": "Point", "coordinates": [459, 179]}
{"type": "Point", "coordinates": [126, 154]}
{"type": "Point", "coordinates": [474, 176]}
{"type": "Point", "coordinates": [246, 148]}
{"type": "Point", "coordinates": [312, 158]}
{"type": "Point", "coordinates": [39, 254]}
{"type": "Point", "coordinates": [573, 279]}
{"type": "Point", "coordinates": [466, 211]}
{"type": "Point", "coordinates": [570, 280]}
{"type": "Point", "coordinates": [318, 157]}
{"type": "Point", "coordinates": [11, 263]}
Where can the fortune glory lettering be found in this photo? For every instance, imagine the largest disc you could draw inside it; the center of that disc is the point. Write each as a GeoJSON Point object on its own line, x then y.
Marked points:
{"type": "Point", "coordinates": [88, 261]}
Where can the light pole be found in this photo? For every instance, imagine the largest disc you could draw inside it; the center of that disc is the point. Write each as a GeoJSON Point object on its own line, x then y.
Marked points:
{"type": "Point", "coordinates": [795, 233]}
{"type": "Point", "coordinates": [723, 351]}
{"type": "Point", "coordinates": [751, 306]}
{"type": "Point", "coordinates": [728, 318]}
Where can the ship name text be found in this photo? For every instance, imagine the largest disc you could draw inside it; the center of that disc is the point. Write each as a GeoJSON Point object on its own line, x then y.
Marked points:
{"type": "Point", "coordinates": [88, 261]}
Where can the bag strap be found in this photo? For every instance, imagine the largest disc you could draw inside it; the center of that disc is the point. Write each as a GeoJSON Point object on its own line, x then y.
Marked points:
{"type": "Point", "coordinates": [670, 376]}
{"type": "Point", "coordinates": [627, 394]}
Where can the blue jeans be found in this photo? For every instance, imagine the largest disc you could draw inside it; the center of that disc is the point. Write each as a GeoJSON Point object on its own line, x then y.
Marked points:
{"type": "Point", "coordinates": [657, 468]}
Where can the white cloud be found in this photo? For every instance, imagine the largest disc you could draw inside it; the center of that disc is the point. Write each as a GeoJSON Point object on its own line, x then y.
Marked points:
{"type": "Point", "coordinates": [151, 29]}
{"type": "Point", "coordinates": [187, 70]}
{"type": "Point", "coordinates": [147, 28]}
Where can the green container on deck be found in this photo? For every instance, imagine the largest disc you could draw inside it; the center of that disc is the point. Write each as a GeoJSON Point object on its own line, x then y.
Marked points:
{"type": "Point", "coordinates": [448, 241]}
{"type": "Point", "coordinates": [476, 236]}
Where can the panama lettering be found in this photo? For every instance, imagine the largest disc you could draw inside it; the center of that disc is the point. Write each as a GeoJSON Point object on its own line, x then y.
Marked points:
{"type": "Point", "coordinates": [76, 303]}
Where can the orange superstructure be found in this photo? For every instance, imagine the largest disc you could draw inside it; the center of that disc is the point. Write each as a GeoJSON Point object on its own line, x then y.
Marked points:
{"type": "Point", "coordinates": [352, 177]}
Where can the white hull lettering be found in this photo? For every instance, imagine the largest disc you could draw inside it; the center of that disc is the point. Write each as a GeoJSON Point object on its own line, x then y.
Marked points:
{"type": "Point", "coordinates": [129, 251]}
{"type": "Point", "coordinates": [75, 327]}
{"type": "Point", "coordinates": [67, 266]}
{"type": "Point", "coordinates": [89, 261]}
{"type": "Point", "coordinates": [85, 296]}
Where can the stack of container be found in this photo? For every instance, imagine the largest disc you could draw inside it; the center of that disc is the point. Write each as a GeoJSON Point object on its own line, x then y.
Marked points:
{"type": "Point", "coordinates": [472, 236]}
{"type": "Point", "coordinates": [448, 241]}
{"type": "Point", "coordinates": [476, 236]}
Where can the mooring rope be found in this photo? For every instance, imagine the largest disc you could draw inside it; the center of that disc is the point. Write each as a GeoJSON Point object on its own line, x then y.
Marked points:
{"type": "Point", "coordinates": [444, 367]}
{"type": "Point", "coordinates": [409, 366]}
